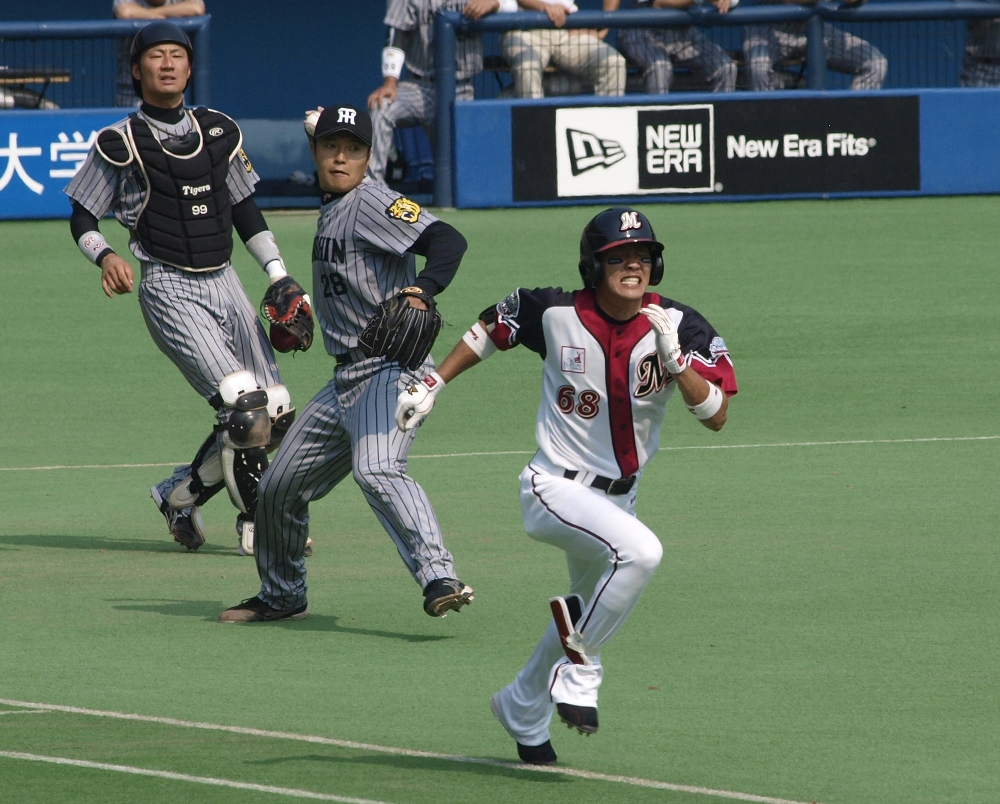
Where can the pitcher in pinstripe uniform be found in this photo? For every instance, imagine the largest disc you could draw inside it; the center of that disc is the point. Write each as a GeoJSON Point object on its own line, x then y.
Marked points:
{"type": "Point", "coordinates": [179, 181]}
{"type": "Point", "coordinates": [363, 253]}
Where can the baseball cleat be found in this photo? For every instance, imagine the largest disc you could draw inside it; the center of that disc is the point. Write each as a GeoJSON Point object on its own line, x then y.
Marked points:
{"type": "Point", "coordinates": [543, 754]}
{"type": "Point", "coordinates": [566, 611]}
{"type": "Point", "coordinates": [184, 524]}
{"type": "Point", "coordinates": [446, 594]}
{"type": "Point", "coordinates": [255, 610]}
{"type": "Point", "coordinates": [309, 547]}
{"type": "Point", "coordinates": [581, 718]}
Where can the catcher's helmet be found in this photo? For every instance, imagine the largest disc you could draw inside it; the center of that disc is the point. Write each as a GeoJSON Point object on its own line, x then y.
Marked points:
{"type": "Point", "coordinates": [611, 228]}
{"type": "Point", "coordinates": [157, 33]}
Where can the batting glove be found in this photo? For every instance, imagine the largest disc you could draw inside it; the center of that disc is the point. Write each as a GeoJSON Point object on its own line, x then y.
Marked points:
{"type": "Point", "coordinates": [416, 401]}
{"type": "Point", "coordinates": [668, 344]}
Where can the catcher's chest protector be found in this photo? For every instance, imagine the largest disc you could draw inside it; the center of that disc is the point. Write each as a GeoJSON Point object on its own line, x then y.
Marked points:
{"type": "Point", "coordinates": [187, 217]}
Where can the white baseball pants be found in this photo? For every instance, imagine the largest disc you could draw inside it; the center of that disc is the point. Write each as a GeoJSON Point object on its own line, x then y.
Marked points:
{"type": "Point", "coordinates": [611, 557]}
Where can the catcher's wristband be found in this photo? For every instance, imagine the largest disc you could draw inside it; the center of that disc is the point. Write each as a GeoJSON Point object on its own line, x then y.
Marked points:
{"type": "Point", "coordinates": [94, 247]}
{"type": "Point", "coordinates": [265, 251]}
{"type": "Point", "coordinates": [711, 406]}
{"type": "Point", "coordinates": [392, 62]}
{"type": "Point", "coordinates": [479, 341]}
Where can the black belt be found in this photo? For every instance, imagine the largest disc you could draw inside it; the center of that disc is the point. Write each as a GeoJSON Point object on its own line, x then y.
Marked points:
{"type": "Point", "coordinates": [617, 487]}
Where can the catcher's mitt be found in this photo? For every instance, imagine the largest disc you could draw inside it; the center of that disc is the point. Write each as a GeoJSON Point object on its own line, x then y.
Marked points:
{"type": "Point", "coordinates": [400, 332]}
{"type": "Point", "coordinates": [288, 309]}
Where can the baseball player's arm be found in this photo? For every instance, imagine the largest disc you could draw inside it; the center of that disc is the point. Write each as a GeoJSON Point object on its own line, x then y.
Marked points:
{"type": "Point", "coordinates": [116, 273]}
{"type": "Point", "coordinates": [186, 8]}
{"type": "Point", "coordinates": [393, 59]}
{"type": "Point", "coordinates": [443, 246]}
{"type": "Point", "coordinates": [697, 391]}
{"type": "Point", "coordinates": [249, 223]}
{"type": "Point", "coordinates": [554, 11]}
{"type": "Point", "coordinates": [477, 9]}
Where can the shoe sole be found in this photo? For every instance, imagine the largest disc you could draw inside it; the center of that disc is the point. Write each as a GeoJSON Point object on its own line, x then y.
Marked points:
{"type": "Point", "coordinates": [453, 602]}
{"type": "Point", "coordinates": [256, 618]}
{"type": "Point", "coordinates": [197, 523]}
{"type": "Point", "coordinates": [585, 729]}
{"type": "Point", "coordinates": [567, 629]}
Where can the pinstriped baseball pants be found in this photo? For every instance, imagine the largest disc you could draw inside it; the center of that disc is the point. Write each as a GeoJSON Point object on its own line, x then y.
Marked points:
{"type": "Point", "coordinates": [207, 326]}
{"type": "Point", "coordinates": [347, 428]}
{"type": "Point", "coordinates": [766, 45]}
{"type": "Point", "coordinates": [656, 51]}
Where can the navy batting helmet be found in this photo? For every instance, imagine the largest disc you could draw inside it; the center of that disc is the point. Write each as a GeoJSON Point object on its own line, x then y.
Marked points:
{"type": "Point", "coordinates": [157, 33]}
{"type": "Point", "coordinates": [611, 228]}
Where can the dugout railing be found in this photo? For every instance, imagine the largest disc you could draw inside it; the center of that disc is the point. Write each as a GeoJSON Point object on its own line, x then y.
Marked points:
{"type": "Point", "coordinates": [448, 26]}
{"type": "Point", "coordinates": [76, 64]}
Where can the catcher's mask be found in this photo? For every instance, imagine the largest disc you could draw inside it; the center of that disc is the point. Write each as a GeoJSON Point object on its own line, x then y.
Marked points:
{"type": "Point", "coordinates": [611, 228]}
{"type": "Point", "coordinates": [157, 33]}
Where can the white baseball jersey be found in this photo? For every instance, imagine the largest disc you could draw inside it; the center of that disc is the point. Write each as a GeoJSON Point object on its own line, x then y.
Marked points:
{"type": "Point", "coordinates": [604, 389]}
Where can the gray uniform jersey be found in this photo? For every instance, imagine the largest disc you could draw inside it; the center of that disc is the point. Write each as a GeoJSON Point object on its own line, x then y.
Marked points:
{"type": "Point", "coordinates": [360, 258]}
{"type": "Point", "coordinates": [417, 17]}
{"type": "Point", "coordinates": [101, 187]}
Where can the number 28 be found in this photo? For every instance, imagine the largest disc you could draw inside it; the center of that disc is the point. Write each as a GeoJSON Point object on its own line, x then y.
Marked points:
{"type": "Point", "coordinates": [586, 407]}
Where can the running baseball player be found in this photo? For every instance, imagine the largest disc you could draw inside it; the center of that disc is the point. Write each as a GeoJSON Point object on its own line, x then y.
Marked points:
{"type": "Point", "coordinates": [378, 322]}
{"type": "Point", "coordinates": [614, 354]}
{"type": "Point", "coordinates": [177, 178]}
{"type": "Point", "coordinates": [410, 42]}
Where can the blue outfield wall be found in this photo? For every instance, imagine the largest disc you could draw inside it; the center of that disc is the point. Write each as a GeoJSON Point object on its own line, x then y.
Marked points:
{"type": "Point", "coordinates": [639, 148]}
{"type": "Point", "coordinates": [738, 147]}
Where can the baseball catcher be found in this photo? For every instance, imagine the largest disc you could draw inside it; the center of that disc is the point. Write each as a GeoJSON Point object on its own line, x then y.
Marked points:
{"type": "Point", "coordinates": [401, 331]}
{"type": "Point", "coordinates": [288, 309]}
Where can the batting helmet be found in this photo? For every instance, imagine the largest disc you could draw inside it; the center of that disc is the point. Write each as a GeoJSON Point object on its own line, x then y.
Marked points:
{"type": "Point", "coordinates": [157, 33]}
{"type": "Point", "coordinates": [611, 228]}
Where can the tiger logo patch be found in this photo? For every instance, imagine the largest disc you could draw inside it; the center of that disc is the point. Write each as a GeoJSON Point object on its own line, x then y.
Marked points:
{"type": "Point", "coordinates": [405, 210]}
{"type": "Point", "coordinates": [245, 161]}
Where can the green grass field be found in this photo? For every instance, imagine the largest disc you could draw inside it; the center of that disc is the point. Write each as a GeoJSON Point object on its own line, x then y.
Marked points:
{"type": "Point", "coordinates": [822, 628]}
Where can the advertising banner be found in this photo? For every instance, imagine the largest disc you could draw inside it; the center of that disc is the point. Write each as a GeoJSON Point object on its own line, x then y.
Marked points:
{"type": "Point", "coordinates": [40, 151]}
{"type": "Point", "coordinates": [729, 148]}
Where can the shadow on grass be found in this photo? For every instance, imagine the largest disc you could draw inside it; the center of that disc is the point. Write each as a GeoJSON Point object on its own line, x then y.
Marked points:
{"type": "Point", "coordinates": [485, 766]}
{"type": "Point", "coordinates": [210, 610]}
{"type": "Point", "coordinates": [64, 541]}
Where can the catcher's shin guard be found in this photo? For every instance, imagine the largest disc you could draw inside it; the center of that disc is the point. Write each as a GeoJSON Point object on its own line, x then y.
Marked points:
{"type": "Point", "coordinates": [243, 438]}
{"type": "Point", "coordinates": [281, 413]}
{"type": "Point", "coordinates": [242, 470]}
{"type": "Point", "coordinates": [566, 611]}
{"type": "Point", "coordinates": [206, 477]}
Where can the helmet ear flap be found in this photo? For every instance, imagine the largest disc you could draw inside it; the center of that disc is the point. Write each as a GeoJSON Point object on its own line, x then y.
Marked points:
{"type": "Point", "coordinates": [590, 263]}
{"type": "Point", "coordinates": [656, 270]}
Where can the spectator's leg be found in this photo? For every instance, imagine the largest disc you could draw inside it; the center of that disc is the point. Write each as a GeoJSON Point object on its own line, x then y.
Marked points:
{"type": "Point", "coordinates": [409, 108]}
{"type": "Point", "coordinates": [593, 60]}
{"type": "Point", "coordinates": [644, 49]}
{"type": "Point", "coordinates": [528, 54]}
{"type": "Point", "coordinates": [694, 50]}
{"type": "Point", "coordinates": [977, 73]}
{"type": "Point", "coordinates": [847, 53]}
{"type": "Point", "coordinates": [760, 51]}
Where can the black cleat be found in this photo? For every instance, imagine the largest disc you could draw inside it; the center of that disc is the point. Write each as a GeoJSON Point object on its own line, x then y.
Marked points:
{"type": "Point", "coordinates": [255, 610]}
{"type": "Point", "coordinates": [581, 718]}
{"type": "Point", "coordinates": [184, 524]}
{"type": "Point", "coordinates": [446, 594]}
{"type": "Point", "coordinates": [543, 754]}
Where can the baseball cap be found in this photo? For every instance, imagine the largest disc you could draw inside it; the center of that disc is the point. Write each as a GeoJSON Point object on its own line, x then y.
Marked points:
{"type": "Point", "coordinates": [344, 118]}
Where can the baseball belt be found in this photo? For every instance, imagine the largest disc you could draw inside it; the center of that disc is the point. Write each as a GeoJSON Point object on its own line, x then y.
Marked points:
{"type": "Point", "coordinates": [346, 358]}
{"type": "Point", "coordinates": [606, 484]}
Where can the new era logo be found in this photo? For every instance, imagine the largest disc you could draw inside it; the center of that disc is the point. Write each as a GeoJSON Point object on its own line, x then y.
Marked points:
{"type": "Point", "coordinates": [587, 151]}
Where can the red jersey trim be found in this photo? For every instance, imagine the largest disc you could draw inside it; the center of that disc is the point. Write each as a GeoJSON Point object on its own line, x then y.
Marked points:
{"type": "Point", "coordinates": [617, 342]}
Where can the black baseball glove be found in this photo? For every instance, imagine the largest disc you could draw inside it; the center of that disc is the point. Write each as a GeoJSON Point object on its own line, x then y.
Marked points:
{"type": "Point", "coordinates": [287, 308]}
{"type": "Point", "coordinates": [400, 332]}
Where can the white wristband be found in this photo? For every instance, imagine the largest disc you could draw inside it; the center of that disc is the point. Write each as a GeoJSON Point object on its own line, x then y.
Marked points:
{"type": "Point", "coordinates": [276, 270]}
{"type": "Point", "coordinates": [92, 244]}
{"type": "Point", "coordinates": [433, 382]}
{"type": "Point", "coordinates": [711, 405]}
{"type": "Point", "coordinates": [479, 341]}
{"type": "Point", "coordinates": [392, 62]}
{"type": "Point", "coordinates": [263, 249]}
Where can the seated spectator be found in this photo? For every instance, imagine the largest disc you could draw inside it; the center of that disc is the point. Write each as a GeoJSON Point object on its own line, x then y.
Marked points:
{"type": "Point", "coordinates": [579, 52]}
{"type": "Point", "coordinates": [657, 50]}
{"type": "Point", "coordinates": [767, 45]}
{"type": "Point", "coordinates": [981, 62]}
{"type": "Point", "coordinates": [144, 10]}
{"type": "Point", "coordinates": [411, 43]}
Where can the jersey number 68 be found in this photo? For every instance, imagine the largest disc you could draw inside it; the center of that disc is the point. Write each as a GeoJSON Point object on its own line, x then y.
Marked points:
{"type": "Point", "coordinates": [586, 407]}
